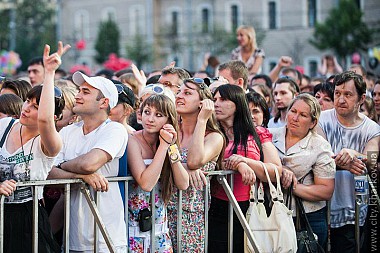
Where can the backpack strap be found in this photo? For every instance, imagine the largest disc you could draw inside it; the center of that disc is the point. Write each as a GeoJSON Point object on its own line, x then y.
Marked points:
{"type": "Point", "coordinates": [6, 132]}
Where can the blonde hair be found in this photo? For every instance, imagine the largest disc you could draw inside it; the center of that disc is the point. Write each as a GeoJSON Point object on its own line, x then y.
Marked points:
{"type": "Point", "coordinates": [251, 33]}
{"type": "Point", "coordinates": [130, 79]}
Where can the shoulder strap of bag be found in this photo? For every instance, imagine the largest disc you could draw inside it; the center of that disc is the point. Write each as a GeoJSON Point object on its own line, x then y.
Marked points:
{"type": "Point", "coordinates": [6, 132]}
{"type": "Point", "coordinates": [273, 191]}
{"type": "Point", "coordinates": [302, 215]}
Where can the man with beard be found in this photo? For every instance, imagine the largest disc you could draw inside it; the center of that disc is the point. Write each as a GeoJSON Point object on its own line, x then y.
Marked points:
{"type": "Point", "coordinates": [284, 90]}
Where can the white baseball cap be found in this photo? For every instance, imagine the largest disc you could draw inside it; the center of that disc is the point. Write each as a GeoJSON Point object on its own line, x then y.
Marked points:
{"type": "Point", "coordinates": [105, 85]}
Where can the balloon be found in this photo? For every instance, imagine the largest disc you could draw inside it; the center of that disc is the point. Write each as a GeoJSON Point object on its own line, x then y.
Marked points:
{"type": "Point", "coordinates": [372, 62]}
{"type": "Point", "coordinates": [355, 59]}
{"type": "Point", "coordinates": [81, 45]}
{"type": "Point", "coordinates": [9, 62]}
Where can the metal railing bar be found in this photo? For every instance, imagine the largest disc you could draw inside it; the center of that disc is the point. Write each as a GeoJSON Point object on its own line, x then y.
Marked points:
{"type": "Point", "coordinates": [85, 190]}
{"type": "Point", "coordinates": [96, 230]}
{"type": "Point", "coordinates": [2, 197]}
{"type": "Point", "coordinates": [222, 180]}
{"type": "Point", "coordinates": [206, 192]}
{"type": "Point", "coordinates": [66, 225]}
{"type": "Point", "coordinates": [35, 220]}
{"type": "Point", "coordinates": [179, 222]}
{"type": "Point", "coordinates": [230, 218]}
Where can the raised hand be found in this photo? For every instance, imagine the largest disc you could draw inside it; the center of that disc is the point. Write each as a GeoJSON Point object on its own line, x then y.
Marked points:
{"type": "Point", "coordinates": [53, 61]}
{"type": "Point", "coordinates": [139, 75]}
{"type": "Point", "coordinates": [207, 109]}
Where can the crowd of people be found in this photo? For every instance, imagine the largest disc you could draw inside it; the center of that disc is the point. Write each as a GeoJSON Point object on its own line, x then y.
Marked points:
{"type": "Point", "coordinates": [168, 129]}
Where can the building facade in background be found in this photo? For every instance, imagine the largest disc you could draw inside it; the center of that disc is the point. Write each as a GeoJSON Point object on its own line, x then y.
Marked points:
{"type": "Point", "coordinates": [184, 30]}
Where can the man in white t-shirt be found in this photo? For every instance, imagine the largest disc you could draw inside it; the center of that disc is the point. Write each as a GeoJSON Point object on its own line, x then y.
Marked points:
{"type": "Point", "coordinates": [91, 151]}
{"type": "Point", "coordinates": [351, 135]}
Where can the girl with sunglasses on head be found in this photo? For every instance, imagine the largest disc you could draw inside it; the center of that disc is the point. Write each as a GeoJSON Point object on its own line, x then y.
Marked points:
{"type": "Point", "coordinates": [202, 146]}
{"type": "Point", "coordinates": [246, 146]}
{"type": "Point", "coordinates": [154, 167]}
{"type": "Point", "coordinates": [28, 153]}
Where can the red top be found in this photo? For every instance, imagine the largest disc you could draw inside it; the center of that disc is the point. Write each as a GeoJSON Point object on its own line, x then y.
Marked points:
{"type": "Point", "coordinates": [241, 191]}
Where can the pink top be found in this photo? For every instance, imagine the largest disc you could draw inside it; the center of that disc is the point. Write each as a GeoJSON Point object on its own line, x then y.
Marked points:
{"type": "Point", "coordinates": [241, 191]}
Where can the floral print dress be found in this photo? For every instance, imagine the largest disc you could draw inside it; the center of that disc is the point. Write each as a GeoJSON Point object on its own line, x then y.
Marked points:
{"type": "Point", "coordinates": [139, 242]}
{"type": "Point", "coordinates": [193, 213]}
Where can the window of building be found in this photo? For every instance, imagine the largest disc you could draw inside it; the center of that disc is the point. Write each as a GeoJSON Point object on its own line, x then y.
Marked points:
{"type": "Point", "coordinates": [272, 15]}
{"type": "Point", "coordinates": [234, 17]}
{"type": "Point", "coordinates": [313, 67]}
{"type": "Point", "coordinates": [311, 13]}
{"type": "Point", "coordinates": [174, 23]}
{"type": "Point", "coordinates": [136, 20]}
{"type": "Point", "coordinates": [358, 3]}
{"type": "Point", "coordinates": [205, 20]}
{"type": "Point", "coordinates": [109, 14]}
{"type": "Point", "coordinates": [82, 24]}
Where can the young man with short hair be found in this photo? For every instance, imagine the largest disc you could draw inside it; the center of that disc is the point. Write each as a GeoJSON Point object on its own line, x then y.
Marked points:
{"type": "Point", "coordinates": [91, 151]}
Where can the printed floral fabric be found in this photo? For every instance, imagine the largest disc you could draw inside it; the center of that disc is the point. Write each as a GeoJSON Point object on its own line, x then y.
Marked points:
{"type": "Point", "coordinates": [193, 214]}
{"type": "Point", "coordinates": [138, 200]}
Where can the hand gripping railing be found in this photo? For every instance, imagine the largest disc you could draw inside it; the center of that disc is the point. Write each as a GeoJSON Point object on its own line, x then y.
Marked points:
{"type": "Point", "coordinates": [98, 225]}
{"type": "Point", "coordinates": [93, 203]}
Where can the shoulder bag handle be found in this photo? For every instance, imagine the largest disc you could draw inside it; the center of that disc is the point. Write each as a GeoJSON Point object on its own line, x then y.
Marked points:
{"type": "Point", "coordinates": [6, 132]}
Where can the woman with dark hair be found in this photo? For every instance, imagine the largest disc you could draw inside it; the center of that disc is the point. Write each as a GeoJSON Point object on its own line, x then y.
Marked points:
{"type": "Point", "coordinates": [258, 108]}
{"type": "Point", "coordinates": [324, 93]}
{"type": "Point", "coordinates": [153, 167]}
{"type": "Point", "coordinates": [245, 148]}
{"type": "Point", "coordinates": [28, 154]}
{"type": "Point", "coordinates": [10, 106]}
{"type": "Point", "coordinates": [202, 146]}
{"type": "Point", "coordinates": [17, 87]}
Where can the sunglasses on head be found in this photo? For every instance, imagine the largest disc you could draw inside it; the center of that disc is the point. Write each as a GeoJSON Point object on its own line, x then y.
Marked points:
{"type": "Point", "coordinates": [169, 84]}
{"type": "Point", "coordinates": [120, 90]}
{"type": "Point", "coordinates": [2, 79]}
{"type": "Point", "coordinates": [156, 88]}
{"type": "Point", "coordinates": [58, 93]}
{"type": "Point", "coordinates": [198, 81]}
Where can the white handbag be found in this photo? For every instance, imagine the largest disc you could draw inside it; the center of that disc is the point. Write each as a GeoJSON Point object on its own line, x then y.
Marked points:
{"type": "Point", "coordinates": [273, 233]}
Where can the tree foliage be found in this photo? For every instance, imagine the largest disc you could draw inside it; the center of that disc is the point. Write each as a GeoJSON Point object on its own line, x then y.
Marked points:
{"type": "Point", "coordinates": [139, 51]}
{"type": "Point", "coordinates": [343, 30]}
{"type": "Point", "coordinates": [108, 40]}
{"type": "Point", "coordinates": [35, 27]}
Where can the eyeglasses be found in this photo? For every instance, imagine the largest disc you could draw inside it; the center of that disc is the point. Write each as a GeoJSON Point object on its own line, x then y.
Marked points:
{"type": "Point", "coordinates": [199, 81]}
{"type": "Point", "coordinates": [58, 93]}
{"type": "Point", "coordinates": [169, 84]}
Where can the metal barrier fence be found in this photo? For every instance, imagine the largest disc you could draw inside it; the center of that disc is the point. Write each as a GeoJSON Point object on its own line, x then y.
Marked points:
{"type": "Point", "coordinates": [93, 202]}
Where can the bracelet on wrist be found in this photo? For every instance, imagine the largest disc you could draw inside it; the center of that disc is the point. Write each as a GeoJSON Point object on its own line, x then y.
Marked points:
{"type": "Point", "coordinates": [165, 140]}
{"type": "Point", "coordinates": [59, 165]}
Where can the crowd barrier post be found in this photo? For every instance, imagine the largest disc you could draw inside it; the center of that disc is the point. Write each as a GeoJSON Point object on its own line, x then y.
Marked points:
{"type": "Point", "coordinates": [2, 223]}
{"type": "Point", "coordinates": [98, 220]}
{"type": "Point", "coordinates": [233, 202]}
{"type": "Point", "coordinates": [66, 225]}
{"type": "Point", "coordinates": [35, 220]}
